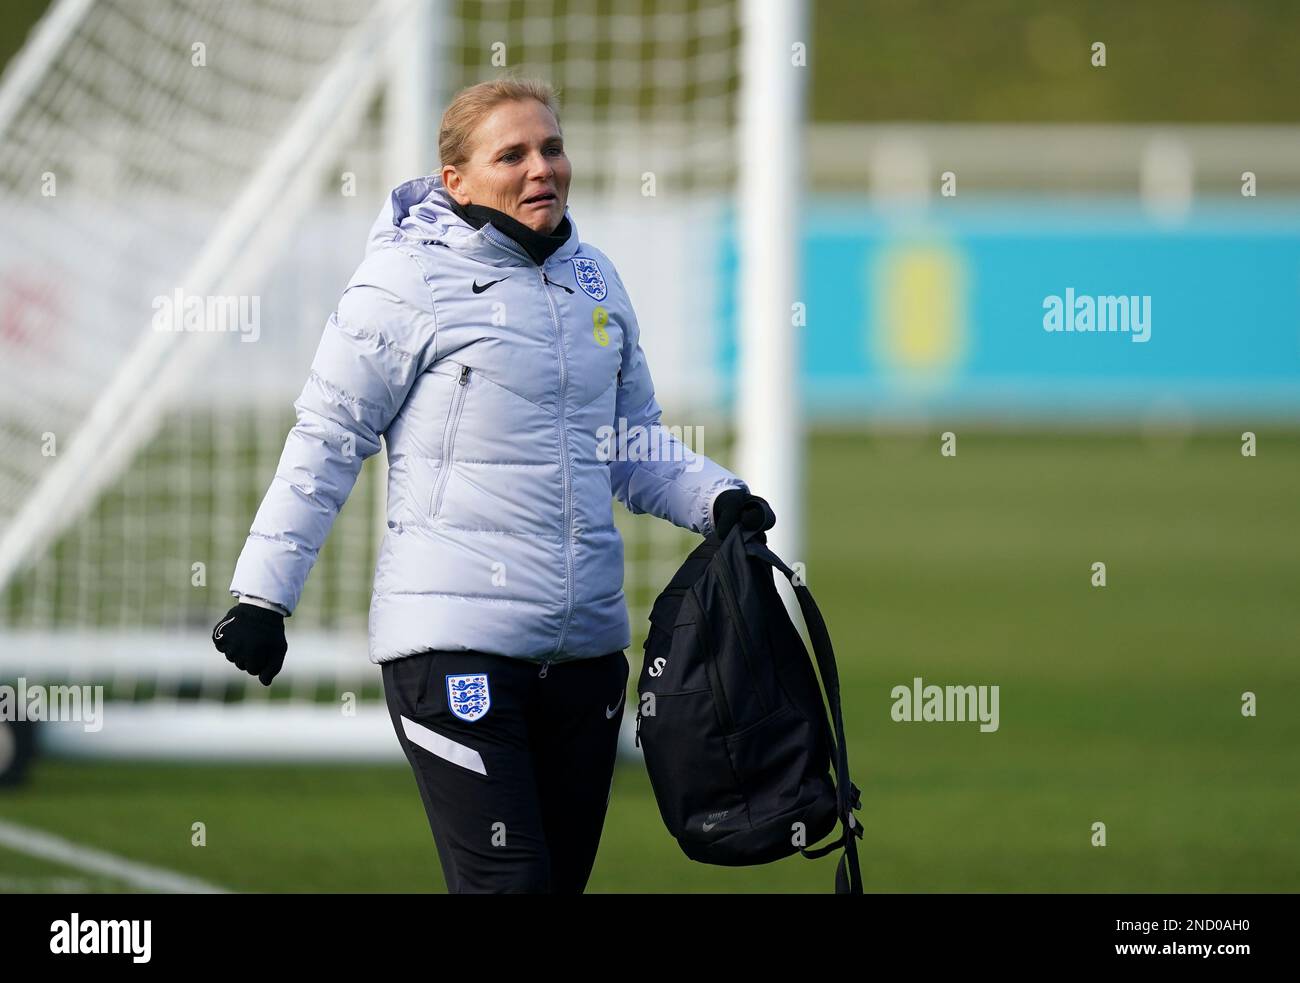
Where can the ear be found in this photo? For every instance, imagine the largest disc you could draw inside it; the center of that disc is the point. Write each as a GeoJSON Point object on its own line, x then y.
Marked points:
{"type": "Point", "coordinates": [454, 182]}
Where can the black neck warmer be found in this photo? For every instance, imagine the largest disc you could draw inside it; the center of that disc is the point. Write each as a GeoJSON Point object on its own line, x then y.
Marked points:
{"type": "Point", "coordinates": [536, 244]}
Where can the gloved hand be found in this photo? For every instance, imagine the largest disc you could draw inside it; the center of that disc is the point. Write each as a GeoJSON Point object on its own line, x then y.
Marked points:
{"type": "Point", "coordinates": [252, 637]}
{"type": "Point", "coordinates": [735, 505]}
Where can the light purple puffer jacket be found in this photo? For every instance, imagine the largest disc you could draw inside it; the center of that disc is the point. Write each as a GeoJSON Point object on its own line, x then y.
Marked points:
{"type": "Point", "coordinates": [497, 408]}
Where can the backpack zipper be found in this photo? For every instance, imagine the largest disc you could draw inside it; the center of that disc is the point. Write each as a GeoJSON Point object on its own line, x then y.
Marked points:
{"type": "Point", "coordinates": [746, 642]}
{"type": "Point", "coordinates": [710, 669]}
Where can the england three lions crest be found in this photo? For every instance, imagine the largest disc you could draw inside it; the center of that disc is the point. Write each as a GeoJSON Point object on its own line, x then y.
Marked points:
{"type": "Point", "coordinates": [590, 279]}
{"type": "Point", "coordinates": [468, 695]}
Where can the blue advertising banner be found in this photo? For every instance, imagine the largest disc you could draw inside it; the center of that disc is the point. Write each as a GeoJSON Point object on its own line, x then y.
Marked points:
{"type": "Point", "coordinates": [1041, 309]}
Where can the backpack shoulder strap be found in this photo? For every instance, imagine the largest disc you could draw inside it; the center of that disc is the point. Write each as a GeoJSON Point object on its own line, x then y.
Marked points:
{"type": "Point", "coordinates": [848, 795]}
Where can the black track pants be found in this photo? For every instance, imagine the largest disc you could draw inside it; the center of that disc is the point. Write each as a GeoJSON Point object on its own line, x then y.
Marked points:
{"type": "Point", "coordinates": [514, 761]}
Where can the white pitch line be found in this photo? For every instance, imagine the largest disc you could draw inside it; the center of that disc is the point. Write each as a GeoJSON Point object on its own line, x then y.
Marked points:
{"type": "Point", "coordinates": [50, 847]}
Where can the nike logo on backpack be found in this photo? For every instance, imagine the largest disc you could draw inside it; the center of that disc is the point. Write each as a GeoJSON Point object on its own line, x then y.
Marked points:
{"type": "Point", "coordinates": [490, 283]}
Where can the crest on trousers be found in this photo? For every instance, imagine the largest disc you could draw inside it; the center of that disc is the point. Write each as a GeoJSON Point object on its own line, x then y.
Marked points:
{"type": "Point", "coordinates": [468, 695]}
{"type": "Point", "coordinates": [590, 279]}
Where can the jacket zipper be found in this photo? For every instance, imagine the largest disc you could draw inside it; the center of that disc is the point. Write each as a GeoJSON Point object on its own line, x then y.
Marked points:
{"type": "Point", "coordinates": [747, 643]}
{"type": "Point", "coordinates": [547, 280]}
{"type": "Point", "coordinates": [564, 437]}
{"type": "Point", "coordinates": [450, 443]}
{"type": "Point", "coordinates": [564, 454]}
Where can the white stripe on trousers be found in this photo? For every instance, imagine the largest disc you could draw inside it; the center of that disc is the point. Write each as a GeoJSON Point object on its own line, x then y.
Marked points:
{"type": "Point", "coordinates": [443, 747]}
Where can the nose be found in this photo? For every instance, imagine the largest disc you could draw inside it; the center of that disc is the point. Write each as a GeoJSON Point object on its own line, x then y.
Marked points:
{"type": "Point", "coordinates": [541, 167]}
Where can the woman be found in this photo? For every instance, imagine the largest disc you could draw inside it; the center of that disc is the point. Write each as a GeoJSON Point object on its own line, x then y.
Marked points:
{"type": "Point", "coordinates": [496, 352]}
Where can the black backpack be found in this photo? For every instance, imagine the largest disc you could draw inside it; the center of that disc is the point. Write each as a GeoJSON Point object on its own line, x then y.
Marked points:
{"type": "Point", "coordinates": [736, 740]}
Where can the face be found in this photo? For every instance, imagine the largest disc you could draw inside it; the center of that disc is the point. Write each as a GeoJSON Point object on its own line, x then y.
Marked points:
{"type": "Point", "coordinates": [517, 165]}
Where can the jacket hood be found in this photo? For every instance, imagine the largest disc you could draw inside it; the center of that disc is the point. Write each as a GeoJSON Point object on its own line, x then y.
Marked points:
{"type": "Point", "coordinates": [420, 211]}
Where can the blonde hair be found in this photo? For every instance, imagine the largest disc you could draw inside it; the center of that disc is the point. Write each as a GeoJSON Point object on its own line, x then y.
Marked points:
{"type": "Point", "coordinates": [472, 104]}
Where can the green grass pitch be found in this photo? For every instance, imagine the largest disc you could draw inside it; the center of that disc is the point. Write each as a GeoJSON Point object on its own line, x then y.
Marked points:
{"type": "Point", "coordinates": [1119, 704]}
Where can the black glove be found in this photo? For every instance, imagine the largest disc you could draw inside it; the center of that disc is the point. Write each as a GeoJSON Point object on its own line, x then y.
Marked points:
{"type": "Point", "coordinates": [735, 505]}
{"type": "Point", "coordinates": [252, 637]}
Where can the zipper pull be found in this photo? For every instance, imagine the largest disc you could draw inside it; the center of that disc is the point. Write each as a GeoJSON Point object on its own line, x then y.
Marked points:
{"type": "Point", "coordinates": [545, 665]}
{"type": "Point", "coordinates": [464, 374]}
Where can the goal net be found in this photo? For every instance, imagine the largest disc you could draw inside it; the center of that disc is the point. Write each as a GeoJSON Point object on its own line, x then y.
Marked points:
{"type": "Point", "coordinates": [185, 189]}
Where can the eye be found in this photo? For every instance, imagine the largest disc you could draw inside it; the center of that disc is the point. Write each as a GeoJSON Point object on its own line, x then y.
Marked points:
{"type": "Point", "coordinates": [557, 151]}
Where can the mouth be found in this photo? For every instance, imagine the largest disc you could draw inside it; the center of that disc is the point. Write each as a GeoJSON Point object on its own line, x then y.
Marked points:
{"type": "Point", "coordinates": [542, 198]}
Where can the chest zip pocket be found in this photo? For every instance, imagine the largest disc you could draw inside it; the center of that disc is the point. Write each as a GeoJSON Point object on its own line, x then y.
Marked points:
{"type": "Point", "coordinates": [449, 440]}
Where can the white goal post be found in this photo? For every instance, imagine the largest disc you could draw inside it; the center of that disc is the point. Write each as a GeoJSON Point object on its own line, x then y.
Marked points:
{"type": "Point", "coordinates": [154, 152]}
